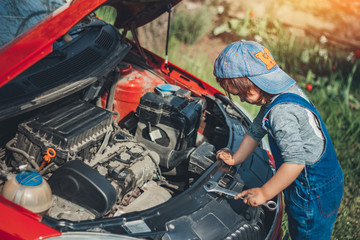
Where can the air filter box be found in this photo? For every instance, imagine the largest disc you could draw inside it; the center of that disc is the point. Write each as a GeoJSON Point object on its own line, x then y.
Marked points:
{"type": "Point", "coordinates": [70, 130]}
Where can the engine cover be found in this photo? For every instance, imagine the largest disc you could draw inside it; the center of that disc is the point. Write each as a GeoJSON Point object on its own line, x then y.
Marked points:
{"type": "Point", "coordinates": [69, 131]}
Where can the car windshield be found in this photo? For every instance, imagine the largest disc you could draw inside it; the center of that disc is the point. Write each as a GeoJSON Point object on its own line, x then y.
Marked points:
{"type": "Point", "coordinates": [16, 16]}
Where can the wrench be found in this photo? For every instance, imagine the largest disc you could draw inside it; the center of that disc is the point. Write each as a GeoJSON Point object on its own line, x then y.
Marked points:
{"type": "Point", "coordinates": [212, 186]}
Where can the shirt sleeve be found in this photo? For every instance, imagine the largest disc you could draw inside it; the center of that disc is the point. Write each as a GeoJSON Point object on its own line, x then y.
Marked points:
{"type": "Point", "coordinates": [255, 130]}
{"type": "Point", "coordinates": [285, 121]}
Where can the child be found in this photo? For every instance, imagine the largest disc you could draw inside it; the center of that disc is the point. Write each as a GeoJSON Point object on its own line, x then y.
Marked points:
{"type": "Point", "coordinates": [307, 169]}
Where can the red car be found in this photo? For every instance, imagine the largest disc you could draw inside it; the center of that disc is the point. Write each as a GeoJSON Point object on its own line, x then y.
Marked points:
{"type": "Point", "coordinates": [102, 139]}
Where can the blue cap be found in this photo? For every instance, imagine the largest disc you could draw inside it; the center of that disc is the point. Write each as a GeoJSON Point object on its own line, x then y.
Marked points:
{"type": "Point", "coordinates": [167, 87]}
{"type": "Point", "coordinates": [29, 178]}
{"type": "Point", "coordinates": [254, 61]}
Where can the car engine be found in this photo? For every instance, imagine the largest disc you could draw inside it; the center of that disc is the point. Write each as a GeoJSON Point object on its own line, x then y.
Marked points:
{"type": "Point", "coordinates": [97, 169]}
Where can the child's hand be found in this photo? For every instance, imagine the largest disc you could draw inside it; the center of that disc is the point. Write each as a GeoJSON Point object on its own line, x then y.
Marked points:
{"type": "Point", "coordinates": [226, 155]}
{"type": "Point", "coordinates": [253, 197]}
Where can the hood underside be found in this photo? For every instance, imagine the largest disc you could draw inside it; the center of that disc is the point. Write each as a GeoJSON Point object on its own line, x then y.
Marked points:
{"type": "Point", "coordinates": [36, 42]}
{"type": "Point", "coordinates": [139, 12]}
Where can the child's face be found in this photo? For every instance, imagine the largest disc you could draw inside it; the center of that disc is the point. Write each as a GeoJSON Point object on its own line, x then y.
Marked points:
{"type": "Point", "coordinates": [251, 97]}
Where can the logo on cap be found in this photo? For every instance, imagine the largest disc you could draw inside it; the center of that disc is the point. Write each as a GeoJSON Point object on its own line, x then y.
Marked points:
{"type": "Point", "coordinates": [265, 57]}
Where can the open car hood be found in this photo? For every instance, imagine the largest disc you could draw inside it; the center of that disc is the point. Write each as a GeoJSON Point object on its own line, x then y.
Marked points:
{"type": "Point", "coordinates": [37, 42]}
{"type": "Point", "coordinates": [139, 12]}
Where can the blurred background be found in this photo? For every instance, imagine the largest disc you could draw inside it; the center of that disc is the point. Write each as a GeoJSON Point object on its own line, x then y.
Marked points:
{"type": "Point", "coordinates": [315, 42]}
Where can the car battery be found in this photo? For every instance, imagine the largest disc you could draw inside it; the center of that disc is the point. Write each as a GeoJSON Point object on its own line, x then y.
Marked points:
{"type": "Point", "coordinates": [178, 112]}
{"type": "Point", "coordinates": [71, 132]}
{"type": "Point", "coordinates": [169, 122]}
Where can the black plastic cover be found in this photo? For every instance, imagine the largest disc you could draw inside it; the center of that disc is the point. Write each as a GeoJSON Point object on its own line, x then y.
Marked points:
{"type": "Point", "coordinates": [201, 158]}
{"type": "Point", "coordinates": [180, 113]}
{"type": "Point", "coordinates": [70, 128]}
{"type": "Point", "coordinates": [174, 119]}
{"type": "Point", "coordinates": [256, 171]}
{"type": "Point", "coordinates": [95, 48]}
{"type": "Point", "coordinates": [225, 223]}
{"type": "Point", "coordinates": [80, 184]}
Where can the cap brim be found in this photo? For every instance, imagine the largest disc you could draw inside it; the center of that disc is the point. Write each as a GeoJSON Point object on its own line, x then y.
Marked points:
{"type": "Point", "coordinates": [274, 82]}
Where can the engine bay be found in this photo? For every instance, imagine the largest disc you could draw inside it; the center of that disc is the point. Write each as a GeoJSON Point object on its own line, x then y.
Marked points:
{"type": "Point", "coordinates": [97, 169]}
{"type": "Point", "coordinates": [103, 136]}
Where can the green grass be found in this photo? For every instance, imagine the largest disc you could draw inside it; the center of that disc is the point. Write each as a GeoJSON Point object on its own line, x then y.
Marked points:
{"type": "Point", "coordinates": [189, 26]}
{"type": "Point", "coordinates": [106, 13]}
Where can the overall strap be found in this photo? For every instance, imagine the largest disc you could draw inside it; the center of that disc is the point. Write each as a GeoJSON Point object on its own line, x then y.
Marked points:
{"type": "Point", "coordinates": [314, 177]}
{"type": "Point", "coordinates": [285, 98]}
{"type": "Point", "coordinates": [292, 98]}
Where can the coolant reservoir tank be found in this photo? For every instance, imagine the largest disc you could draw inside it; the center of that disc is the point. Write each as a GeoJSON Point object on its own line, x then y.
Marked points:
{"type": "Point", "coordinates": [29, 190]}
{"type": "Point", "coordinates": [131, 86]}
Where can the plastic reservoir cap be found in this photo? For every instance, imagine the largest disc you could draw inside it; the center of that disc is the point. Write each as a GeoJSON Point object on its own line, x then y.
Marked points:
{"type": "Point", "coordinates": [29, 178]}
{"type": "Point", "coordinates": [124, 68]}
{"type": "Point", "coordinates": [167, 89]}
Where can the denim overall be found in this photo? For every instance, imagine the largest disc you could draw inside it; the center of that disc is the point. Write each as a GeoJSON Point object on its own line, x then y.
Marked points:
{"type": "Point", "coordinates": [313, 199]}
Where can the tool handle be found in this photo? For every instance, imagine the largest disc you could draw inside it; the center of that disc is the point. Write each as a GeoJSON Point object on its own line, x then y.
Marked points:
{"type": "Point", "coordinates": [271, 205]}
